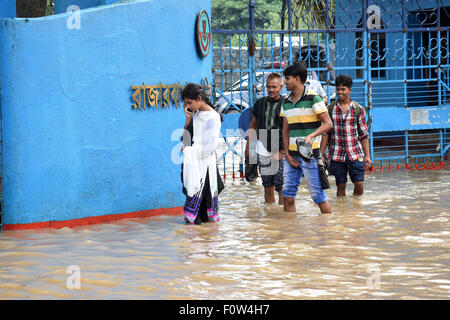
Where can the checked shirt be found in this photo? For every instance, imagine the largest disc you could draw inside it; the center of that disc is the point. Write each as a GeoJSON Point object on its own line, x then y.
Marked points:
{"type": "Point", "coordinates": [345, 138]}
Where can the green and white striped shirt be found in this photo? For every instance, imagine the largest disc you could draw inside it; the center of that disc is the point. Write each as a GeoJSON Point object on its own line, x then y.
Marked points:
{"type": "Point", "coordinates": [302, 117]}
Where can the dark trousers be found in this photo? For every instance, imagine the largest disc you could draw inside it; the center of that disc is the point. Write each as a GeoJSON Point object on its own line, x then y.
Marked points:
{"type": "Point", "coordinates": [206, 199]}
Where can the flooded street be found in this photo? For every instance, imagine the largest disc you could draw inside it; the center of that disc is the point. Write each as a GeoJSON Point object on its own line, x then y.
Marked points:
{"type": "Point", "coordinates": [391, 243]}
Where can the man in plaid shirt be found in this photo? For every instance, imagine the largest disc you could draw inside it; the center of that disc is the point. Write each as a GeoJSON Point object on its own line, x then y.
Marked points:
{"type": "Point", "coordinates": [349, 139]}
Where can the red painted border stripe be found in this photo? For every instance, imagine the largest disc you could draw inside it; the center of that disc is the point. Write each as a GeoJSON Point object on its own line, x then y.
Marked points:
{"type": "Point", "coordinates": [95, 220]}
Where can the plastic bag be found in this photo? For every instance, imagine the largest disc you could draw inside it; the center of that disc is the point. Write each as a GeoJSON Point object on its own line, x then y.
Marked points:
{"type": "Point", "coordinates": [251, 171]}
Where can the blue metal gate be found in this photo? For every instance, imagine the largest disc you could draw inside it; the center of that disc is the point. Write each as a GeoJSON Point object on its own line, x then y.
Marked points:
{"type": "Point", "coordinates": [397, 53]}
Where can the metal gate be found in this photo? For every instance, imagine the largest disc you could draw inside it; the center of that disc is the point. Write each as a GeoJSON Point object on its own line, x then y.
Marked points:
{"type": "Point", "coordinates": [397, 53]}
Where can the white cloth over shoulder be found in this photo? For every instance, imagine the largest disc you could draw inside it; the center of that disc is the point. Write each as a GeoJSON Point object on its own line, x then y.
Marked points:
{"type": "Point", "coordinates": [191, 176]}
{"type": "Point", "coordinates": [206, 125]}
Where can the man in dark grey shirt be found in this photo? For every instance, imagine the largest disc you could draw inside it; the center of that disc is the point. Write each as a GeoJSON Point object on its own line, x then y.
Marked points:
{"type": "Point", "coordinates": [266, 121]}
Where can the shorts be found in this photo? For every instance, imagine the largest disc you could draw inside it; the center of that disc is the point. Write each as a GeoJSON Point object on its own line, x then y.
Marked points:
{"type": "Point", "coordinates": [271, 171]}
{"type": "Point", "coordinates": [293, 178]}
{"type": "Point", "coordinates": [355, 169]}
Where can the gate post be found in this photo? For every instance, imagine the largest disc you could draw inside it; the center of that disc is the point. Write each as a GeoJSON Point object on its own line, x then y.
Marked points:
{"type": "Point", "coordinates": [438, 36]}
{"type": "Point", "coordinates": [367, 56]}
{"type": "Point", "coordinates": [290, 31]}
{"type": "Point", "coordinates": [405, 76]}
{"type": "Point", "coordinates": [251, 53]}
{"type": "Point", "coordinates": [405, 56]}
{"type": "Point", "coordinates": [327, 47]}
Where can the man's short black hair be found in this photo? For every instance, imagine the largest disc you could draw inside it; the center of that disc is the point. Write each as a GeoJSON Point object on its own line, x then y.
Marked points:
{"type": "Point", "coordinates": [299, 69]}
{"type": "Point", "coordinates": [344, 81]}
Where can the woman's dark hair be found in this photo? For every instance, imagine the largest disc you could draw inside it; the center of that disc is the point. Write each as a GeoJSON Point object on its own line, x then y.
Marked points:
{"type": "Point", "coordinates": [298, 69]}
{"type": "Point", "coordinates": [193, 91]}
{"type": "Point", "coordinates": [344, 81]}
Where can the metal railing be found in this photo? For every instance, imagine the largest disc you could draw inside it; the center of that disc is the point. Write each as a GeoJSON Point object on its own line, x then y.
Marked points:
{"type": "Point", "coordinates": [397, 53]}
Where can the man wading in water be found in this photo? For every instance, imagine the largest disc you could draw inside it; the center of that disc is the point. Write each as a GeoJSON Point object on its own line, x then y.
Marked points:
{"type": "Point", "coordinates": [266, 121]}
{"type": "Point", "coordinates": [349, 143]}
{"type": "Point", "coordinates": [306, 118]}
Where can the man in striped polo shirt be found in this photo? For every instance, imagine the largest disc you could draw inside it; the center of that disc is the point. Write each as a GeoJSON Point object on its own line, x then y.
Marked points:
{"type": "Point", "coordinates": [305, 119]}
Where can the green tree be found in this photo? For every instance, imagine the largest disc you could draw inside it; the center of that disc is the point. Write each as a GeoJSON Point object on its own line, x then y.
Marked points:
{"type": "Point", "coordinates": [311, 13]}
{"type": "Point", "coordinates": [272, 14]}
{"type": "Point", "coordinates": [31, 8]}
{"type": "Point", "coordinates": [234, 15]}
{"type": "Point", "coordinates": [50, 8]}
{"type": "Point", "coordinates": [225, 12]}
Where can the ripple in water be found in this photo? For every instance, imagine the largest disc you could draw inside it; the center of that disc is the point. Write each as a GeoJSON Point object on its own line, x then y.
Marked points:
{"type": "Point", "coordinates": [392, 243]}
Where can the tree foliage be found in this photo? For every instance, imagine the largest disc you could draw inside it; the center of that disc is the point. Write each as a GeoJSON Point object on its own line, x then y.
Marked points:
{"type": "Point", "coordinates": [233, 14]}
{"type": "Point", "coordinates": [33, 8]}
{"type": "Point", "coordinates": [312, 13]}
{"type": "Point", "coordinates": [271, 14]}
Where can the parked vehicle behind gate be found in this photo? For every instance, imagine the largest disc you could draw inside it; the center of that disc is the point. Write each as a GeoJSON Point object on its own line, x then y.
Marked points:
{"type": "Point", "coordinates": [239, 94]}
{"type": "Point", "coordinates": [237, 99]}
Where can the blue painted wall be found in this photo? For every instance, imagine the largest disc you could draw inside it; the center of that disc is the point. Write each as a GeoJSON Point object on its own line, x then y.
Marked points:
{"type": "Point", "coordinates": [73, 146]}
{"type": "Point", "coordinates": [392, 119]}
{"type": "Point", "coordinates": [7, 8]}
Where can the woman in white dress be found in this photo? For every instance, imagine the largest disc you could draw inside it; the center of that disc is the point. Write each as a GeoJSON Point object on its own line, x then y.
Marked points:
{"type": "Point", "coordinates": [199, 167]}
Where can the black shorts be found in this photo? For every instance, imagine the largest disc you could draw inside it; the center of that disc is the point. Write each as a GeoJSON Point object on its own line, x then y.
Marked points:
{"type": "Point", "coordinates": [271, 171]}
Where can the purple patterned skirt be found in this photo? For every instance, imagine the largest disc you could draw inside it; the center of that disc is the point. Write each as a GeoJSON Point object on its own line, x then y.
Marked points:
{"type": "Point", "coordinates": [202, 203]}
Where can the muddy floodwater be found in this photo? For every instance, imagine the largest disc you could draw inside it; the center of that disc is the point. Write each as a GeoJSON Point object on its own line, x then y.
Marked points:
{"type": "Point", "coordinates": [391, 243]}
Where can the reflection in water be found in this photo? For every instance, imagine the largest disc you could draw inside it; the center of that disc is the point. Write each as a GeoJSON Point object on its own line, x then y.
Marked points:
{"type": "Point", "coordinates": [393, 243]}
